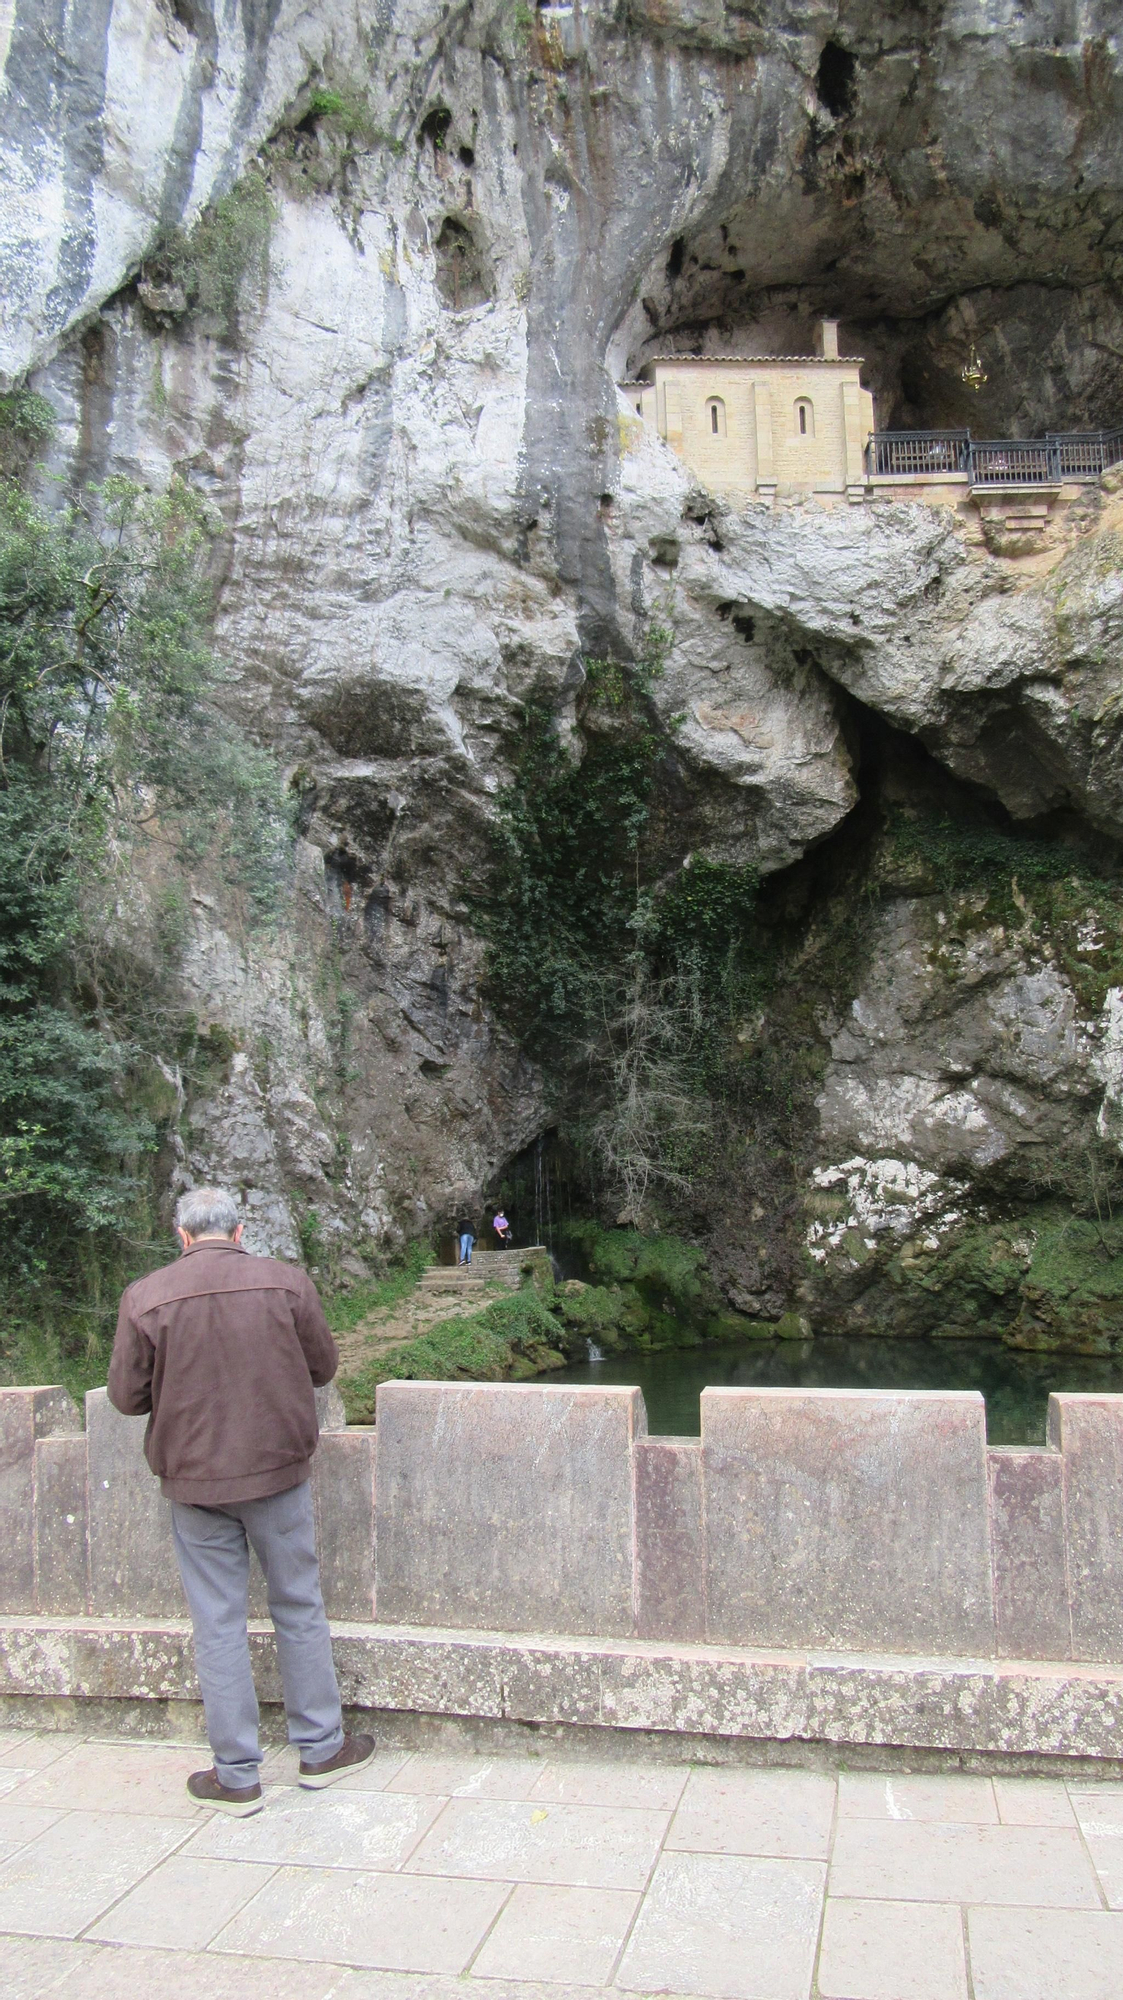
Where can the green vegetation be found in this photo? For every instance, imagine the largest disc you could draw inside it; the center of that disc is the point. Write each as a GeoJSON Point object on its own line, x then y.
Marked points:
{"type": "Point", "coordinates": [27, 422]}
{"type": "Point", "coordinates": [563, 891]}
{"type": "Point", "coordinates": [112, 753]}
{"type": "Point", "coordinates": [679, 1013]}
{"type": "Point", "coordinates": [605, 957]}
{"type": "Point", "coordinates": [647, 1293]}
{"type": "Point", "coordinates": [1055, 889]}
{"type": "Point", "coordinates": [348, 109]}
{"type": "Point", "coordinates": [577, 854]}
{"type": "Point", "coordinates": [208, 268]}
{"type": "Point", "coordinates": [665, 1265]}
{"type": "Point", "coordinates": [958, 856]}
{"type": "Point", "coordinates": [514, 1337]}
{"type": "Point", "coordinates": [345, 1309]}
{"type": "Point", "coordinates": [1046, 1279]}
{"type": "Point", "coordinates": [349, 112]}
{"type": "Point", "coordinates": [1071, 1296]}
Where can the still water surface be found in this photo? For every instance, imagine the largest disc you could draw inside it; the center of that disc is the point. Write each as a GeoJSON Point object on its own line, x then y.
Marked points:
{"type": "Point", "coordinates": [1016, 1386]}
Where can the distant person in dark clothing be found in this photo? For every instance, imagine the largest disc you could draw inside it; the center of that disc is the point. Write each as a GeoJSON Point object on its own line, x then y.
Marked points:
{"type": "Point", "coordinates": [467, 1239]}
{"type": "Point", "coordinates": [501, 1227]}
{"type": "Point", "coordinates": [223, 1352]}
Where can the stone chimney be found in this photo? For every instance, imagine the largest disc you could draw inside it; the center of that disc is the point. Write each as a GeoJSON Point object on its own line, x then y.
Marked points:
{"type": "Point", "coordinates": [828, 339]}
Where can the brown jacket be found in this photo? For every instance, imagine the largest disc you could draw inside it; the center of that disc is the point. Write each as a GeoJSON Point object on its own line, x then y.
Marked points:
{"type": "Point", "coordinates": [224, 1350]}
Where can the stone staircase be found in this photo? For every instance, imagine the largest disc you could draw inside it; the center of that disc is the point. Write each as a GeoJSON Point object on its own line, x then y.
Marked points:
{"type": "Point", "coordinates": [443, 1291]}
{"type": "Point", "coordinates": [487, 1268]}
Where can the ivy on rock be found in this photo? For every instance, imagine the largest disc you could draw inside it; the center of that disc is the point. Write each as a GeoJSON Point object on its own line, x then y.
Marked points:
{"type": "Point", "coordinates": [112, 748]}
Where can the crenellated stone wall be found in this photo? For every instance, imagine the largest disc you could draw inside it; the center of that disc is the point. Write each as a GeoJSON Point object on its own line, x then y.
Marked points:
{"type": "Point", "coordinates": [861, 1521]}
{"type": "Point", "coordinates": [86, 1530]}
{"type": "Point", "coordinates": [841, 1570]}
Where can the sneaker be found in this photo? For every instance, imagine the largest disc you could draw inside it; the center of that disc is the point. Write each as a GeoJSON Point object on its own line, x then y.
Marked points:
{"type": "Point", "coordinates": [357, 1752]}
{"type": "Point", "coordinates": [206, 1789]}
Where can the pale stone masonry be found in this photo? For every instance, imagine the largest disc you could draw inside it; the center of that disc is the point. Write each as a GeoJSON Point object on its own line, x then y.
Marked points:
{"type": "Point", "coordinates": [773, 429]}
{"type": "Point", "coordinates": [839, 1566]}
{"type": "Point", "coordinates": [763, 424]}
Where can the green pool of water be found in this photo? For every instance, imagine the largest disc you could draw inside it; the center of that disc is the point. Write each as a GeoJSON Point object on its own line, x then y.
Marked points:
{"type": "Point", "coordinates": [1016, 1386]}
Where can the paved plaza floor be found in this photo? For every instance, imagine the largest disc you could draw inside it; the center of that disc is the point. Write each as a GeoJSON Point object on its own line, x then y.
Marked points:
{"type": "Point", "coordinates": [525, 1878]}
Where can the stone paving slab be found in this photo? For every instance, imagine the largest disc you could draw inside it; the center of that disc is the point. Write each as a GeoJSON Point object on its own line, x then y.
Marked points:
{"type": "Point", "coordinates": [1045, 1955]}
{"type": "Point", "coordinates": [591, 1847]}
{"type": "Point", "coordinates": [782, 1813]}
{"type": "Point", "coordinates": [545, 1877]}
{"type": "Point", "coordinates": [183, 1904]}
{"type": "Point", "coordinates": [727, 1924]}
{"type": "Point", "coordinates": [552, 1932]}
{"type": "Point", "coordinates": [892, 1951]}
{"type": "Point", "coordinates": [1100, 1817]}
{"type": "Point", "coordinates": [337, 1829]}
{"type": "Point", "coordinates": [915, 1861]}
{"type": "Point", "coordinates": [404, 1923]}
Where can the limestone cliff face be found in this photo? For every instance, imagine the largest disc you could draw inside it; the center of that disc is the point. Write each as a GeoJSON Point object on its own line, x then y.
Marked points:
{"type": "Point", "coordinates": [434, 505]}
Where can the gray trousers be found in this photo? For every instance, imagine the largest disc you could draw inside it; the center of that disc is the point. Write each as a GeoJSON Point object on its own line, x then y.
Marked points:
{"type": "Point", "coordinates": [212, 1546]}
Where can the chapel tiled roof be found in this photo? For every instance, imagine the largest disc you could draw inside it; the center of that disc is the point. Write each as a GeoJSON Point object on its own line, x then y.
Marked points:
{"type": "Point", "coordinates": [827, 361]}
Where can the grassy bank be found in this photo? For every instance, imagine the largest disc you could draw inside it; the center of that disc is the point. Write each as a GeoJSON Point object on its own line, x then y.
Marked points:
{"type": "Point", "coordinates": [643, 1293]}
{"type": "Point", "coordinates": [509, 1340]}
{"type": "Point", "coordinates": [344, 1310]}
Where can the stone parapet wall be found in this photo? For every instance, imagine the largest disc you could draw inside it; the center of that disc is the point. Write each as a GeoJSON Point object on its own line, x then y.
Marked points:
{"type": "Point", "coordinates": [85, 1529]}
{"type": "Point", "coordinates": [860, 1522]}
{"type": "Point", "coordinates": [705, 1696]}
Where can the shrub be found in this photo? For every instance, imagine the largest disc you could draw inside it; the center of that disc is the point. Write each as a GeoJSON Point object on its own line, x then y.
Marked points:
{"type": "Point", "coordinates": [109, 736]}
{"type": "Point", "coordinates": [208, 268]}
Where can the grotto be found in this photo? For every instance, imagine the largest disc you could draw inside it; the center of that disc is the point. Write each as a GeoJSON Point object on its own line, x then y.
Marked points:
{"type": "Point", "coordinates": [752, 853]}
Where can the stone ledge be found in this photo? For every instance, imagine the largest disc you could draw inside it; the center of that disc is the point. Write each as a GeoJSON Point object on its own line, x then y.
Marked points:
{"type": "Point", "coordinates": [996, 1708]}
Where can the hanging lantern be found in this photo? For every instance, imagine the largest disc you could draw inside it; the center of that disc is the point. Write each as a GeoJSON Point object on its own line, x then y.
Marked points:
{"type": "Point", "coordinates": [973, 373]}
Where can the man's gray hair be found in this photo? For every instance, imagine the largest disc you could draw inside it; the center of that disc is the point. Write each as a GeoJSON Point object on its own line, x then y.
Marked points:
{"type": "Point", "coordinates": [207, 1212]}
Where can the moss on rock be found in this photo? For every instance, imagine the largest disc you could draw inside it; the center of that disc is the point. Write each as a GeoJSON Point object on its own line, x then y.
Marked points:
{"type": "Point", "coordinates": [1048, 1280]}
{"type": "Point", "coordinates": [647, 1292]}
{"type": "Point", "coordinates": [511, 1340]}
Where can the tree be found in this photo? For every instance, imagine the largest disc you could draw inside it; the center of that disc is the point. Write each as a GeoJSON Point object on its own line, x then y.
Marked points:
{"type": "Point", "coordinates": [655, 1117]}
{"type": "Point", "coordinates": [109, 735]}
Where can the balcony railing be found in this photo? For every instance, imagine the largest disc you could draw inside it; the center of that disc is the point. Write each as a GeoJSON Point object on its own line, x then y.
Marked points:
{"type": "Point", "coordinates": [1085, 454]}
{"type": "Point", "coordinates": [920, 453]}
{"type": "Point", "coordinates": [994, 462]}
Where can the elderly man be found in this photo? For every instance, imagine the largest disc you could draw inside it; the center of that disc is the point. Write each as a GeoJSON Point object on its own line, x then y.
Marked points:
{"type": "Point", "coordinates": [222, 1351]}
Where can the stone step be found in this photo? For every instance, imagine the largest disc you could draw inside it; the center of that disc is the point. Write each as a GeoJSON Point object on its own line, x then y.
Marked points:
{"type": "Point", "coordinates": [492, 1267]}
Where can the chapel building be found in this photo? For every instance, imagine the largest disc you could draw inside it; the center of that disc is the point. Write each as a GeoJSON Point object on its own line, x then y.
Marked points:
{"type": "Point", "coordinates": [763, 424]}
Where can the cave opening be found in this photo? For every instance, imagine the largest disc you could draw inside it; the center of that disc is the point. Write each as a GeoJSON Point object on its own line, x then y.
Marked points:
{"type": "Point", "coordinates": [836, 80]}
{"type": "Point", "coordinates": [926, 279]}
{"type": "Point", "coordinates": [462, 275]}
{"type": "Point", "coordinates": [812, 923]}
{"type": "Point", "coordinates": [435, 127]}
{"type": "Point", "coordinates": [896, 778]}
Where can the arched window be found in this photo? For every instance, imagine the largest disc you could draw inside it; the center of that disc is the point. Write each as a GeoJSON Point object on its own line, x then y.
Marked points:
{"type": "Point", "coordinates": [715, 417]}
{"type": "Point", "coordinates": [804, 417]}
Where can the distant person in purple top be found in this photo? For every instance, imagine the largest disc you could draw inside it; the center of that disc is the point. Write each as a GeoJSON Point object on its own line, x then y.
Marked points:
{"type": "Point", "coordinates": [501, 1227]}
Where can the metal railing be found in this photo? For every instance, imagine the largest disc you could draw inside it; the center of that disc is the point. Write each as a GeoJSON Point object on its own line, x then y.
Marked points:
{"type": "Point", "coordinates": [1043, 461]}
{"type": "Point", "coordinates": [1015, 462]}
{"type": "Point", "coordinates": [920, 453]}
{"type": "Point", "coordinates": [1085, 454]}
